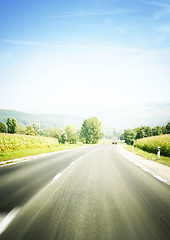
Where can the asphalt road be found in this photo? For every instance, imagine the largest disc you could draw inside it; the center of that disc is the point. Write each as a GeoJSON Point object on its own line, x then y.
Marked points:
{"type": "Point", "coordinates": [92, 193]}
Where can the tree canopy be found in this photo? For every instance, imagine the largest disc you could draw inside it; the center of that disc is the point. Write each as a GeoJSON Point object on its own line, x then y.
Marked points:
{"type": "Point", "coordinates": [129, 136]}
{"type": "Point", "coordinates": [72, 136]}
{"type": "Point", "coordinates": [11, 125]}
{"type": "Point", "coordinates": [91, 130]}
{"type": "Point", "coordinates": [2, 127]}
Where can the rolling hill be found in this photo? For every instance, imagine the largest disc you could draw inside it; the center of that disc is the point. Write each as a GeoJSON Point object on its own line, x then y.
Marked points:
{"type": "Point", "coordinates": [45, 120]}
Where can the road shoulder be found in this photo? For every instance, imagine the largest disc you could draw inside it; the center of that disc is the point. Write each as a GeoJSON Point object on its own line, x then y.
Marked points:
{"type": "Point", "coordinates": [157, 170]}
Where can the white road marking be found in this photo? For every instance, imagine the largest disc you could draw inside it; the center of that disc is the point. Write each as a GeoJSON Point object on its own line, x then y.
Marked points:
{"type": "Point", "coordinates": [69, 166]}
{"type": "Point", "coordinates": [5, 220]}
{"type": "Point", "coordinates": [160, 178]}
{"type": "Point", "coordinates": [57, 176]}
{"type": "Point", "coordinates": [8, 219]}
{"type": "Point", "coordinates": [73, 163]}
{"type": "Point", "coordinates": [137, 164]}
{"type": "Point", "coordinates": [146, 170]}
{"type": "Point", "coordinates": [143, 168]}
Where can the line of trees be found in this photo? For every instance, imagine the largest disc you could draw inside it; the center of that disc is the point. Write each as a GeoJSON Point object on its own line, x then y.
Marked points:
{"type": "Point", "coordinates": [129, 135]}
{"type": "Point", "coordinates": [12, 127]}
{"type": "Point", "coordinates": [90, 132]}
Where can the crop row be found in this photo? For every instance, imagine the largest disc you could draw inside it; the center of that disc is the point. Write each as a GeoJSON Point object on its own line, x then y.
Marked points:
{"type": "Point", "coordinates": [18, 142]}
{"type": "Point", "coordinates": [151, 144]}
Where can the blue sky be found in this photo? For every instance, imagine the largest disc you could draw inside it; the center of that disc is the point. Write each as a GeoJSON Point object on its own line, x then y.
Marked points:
{"type": "Point", "coordinates": [83, 57]}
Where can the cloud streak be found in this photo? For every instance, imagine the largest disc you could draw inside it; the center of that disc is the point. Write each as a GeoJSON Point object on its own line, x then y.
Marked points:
{"type": "Point", "coordinates": [90, 13]}
{"type": "Point", "coordinates": [27, 43]}
{"type": "Point", "coordinates": [73, 46]}
{"type": "Point", "coordinates": [165, 9]}
{"type": "Point", "coordinates": [163, 5]}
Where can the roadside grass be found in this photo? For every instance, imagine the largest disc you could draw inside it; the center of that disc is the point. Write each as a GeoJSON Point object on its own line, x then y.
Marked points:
{"type": "Point", "coordinates": [150, 156]}
{"type": "Point", "coordinates": [12, 154]}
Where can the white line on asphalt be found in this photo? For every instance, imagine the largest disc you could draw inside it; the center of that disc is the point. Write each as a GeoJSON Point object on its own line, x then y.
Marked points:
{"type": "Point", "coordinates": [143, 168]}
{"type": "Point", "coordinates": [57, 176]}
{"type": "Point", "coordinates": [160, 178]}
{"type": "Point", "coordinates": [73, 163]}
{"type": "Point", "coordinates": [146, 170]}
{"type": "Point", "coordinates": [137, 164]}
{"type": "Point", "coordinates": [70, 165]}
{"type": "Point", "coordinates": [8, 219]}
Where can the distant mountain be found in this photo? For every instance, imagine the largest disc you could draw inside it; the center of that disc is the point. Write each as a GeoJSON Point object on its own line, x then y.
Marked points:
{"type": "Point", "coordinates": [45, 120]}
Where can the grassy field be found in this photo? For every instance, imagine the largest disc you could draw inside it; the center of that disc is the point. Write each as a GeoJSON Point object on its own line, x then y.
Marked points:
{"type": "Point", "coordinates": [147, 148]}
{"type": "Point", "coordinates": [17, 146]}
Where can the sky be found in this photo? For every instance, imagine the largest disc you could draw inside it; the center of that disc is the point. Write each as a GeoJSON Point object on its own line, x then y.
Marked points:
{"type": "Point", "coordinates": [77, 57]}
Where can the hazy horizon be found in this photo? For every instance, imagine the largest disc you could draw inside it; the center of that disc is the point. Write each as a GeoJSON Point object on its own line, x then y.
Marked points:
{"type": "Point", "coordinates": [118, 118]}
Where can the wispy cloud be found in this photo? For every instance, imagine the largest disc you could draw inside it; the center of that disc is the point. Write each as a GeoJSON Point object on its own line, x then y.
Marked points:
{"type": "Point", "coordinates": [159, 4]}
{"type": "Point", "coordinates": [74, 46]}
{"type": "Point", "coordinates": [89, 13]}
{"type": "Point", "coordinates": [23, 42]}
{"type": "Point", "coordinates": [111, 48]}
{"type": "Point", "coordinates": [163, 11]}
{"type": "Point", "coordinates": [114, 48]}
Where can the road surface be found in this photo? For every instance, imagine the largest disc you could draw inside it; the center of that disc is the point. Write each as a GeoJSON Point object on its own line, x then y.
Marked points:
{"type": "Point", "coordinates": [92, 193]}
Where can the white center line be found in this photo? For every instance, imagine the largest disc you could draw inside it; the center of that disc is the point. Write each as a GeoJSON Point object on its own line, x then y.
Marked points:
{"type": "Point", "coordinates": [8, 219]}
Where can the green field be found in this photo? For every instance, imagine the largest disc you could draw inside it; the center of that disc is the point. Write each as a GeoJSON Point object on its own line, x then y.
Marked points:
{"type": "Point", "coordinates": [148, 147]}
{"type": "Point", "coordinates": [16, 146]}
{"type": "Point", "coordinates": [151, 144]}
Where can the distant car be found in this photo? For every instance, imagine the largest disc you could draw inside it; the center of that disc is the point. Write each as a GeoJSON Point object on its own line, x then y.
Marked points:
{"type": "Point", "coordinates": [114, 142]}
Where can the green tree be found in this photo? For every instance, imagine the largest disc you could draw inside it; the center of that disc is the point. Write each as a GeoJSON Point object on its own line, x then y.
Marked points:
{"type": "Point", "coordinates": [70, 130]}
{"type": "Point", "coordinates": [129, 136]}
{"type": "Point", "coordinates": [156, 131]}
{"type": "Point", "coordinates": [140, 132]}
{"type": "Point", "coordinates": [9, 125]}
{"type": "Point", "coordinates": [148, 131]}
{"type": "Point", "coordinates": [78, 133]}
{"type": "Point", "coordinates": [72, 136]}
{"type": "Point", "coordinates": [50, 132]}
{"type": "Point", "coordinates": [164, 130]}
{"type": "Point", "coordinates": [14, 125]}
{"type": "Point", "coordinates": [122, 136]}
{"type": "Point", "coordinates": [62, 136]}
{"type": "Point", "coordinates": [74, 139]}
{"type": "Point", "coordinates": [36, 127]}
{"type": "Point", "coordinates": [29, 130]}
{"type": "Point", "coordinates": [21, 129]}
{"type": "Point", "coordinates": [2, 127]}
{"type": "Point", "coordinates": [91, 130]}
{"type": "Point", "coordinates": [168, 127]}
